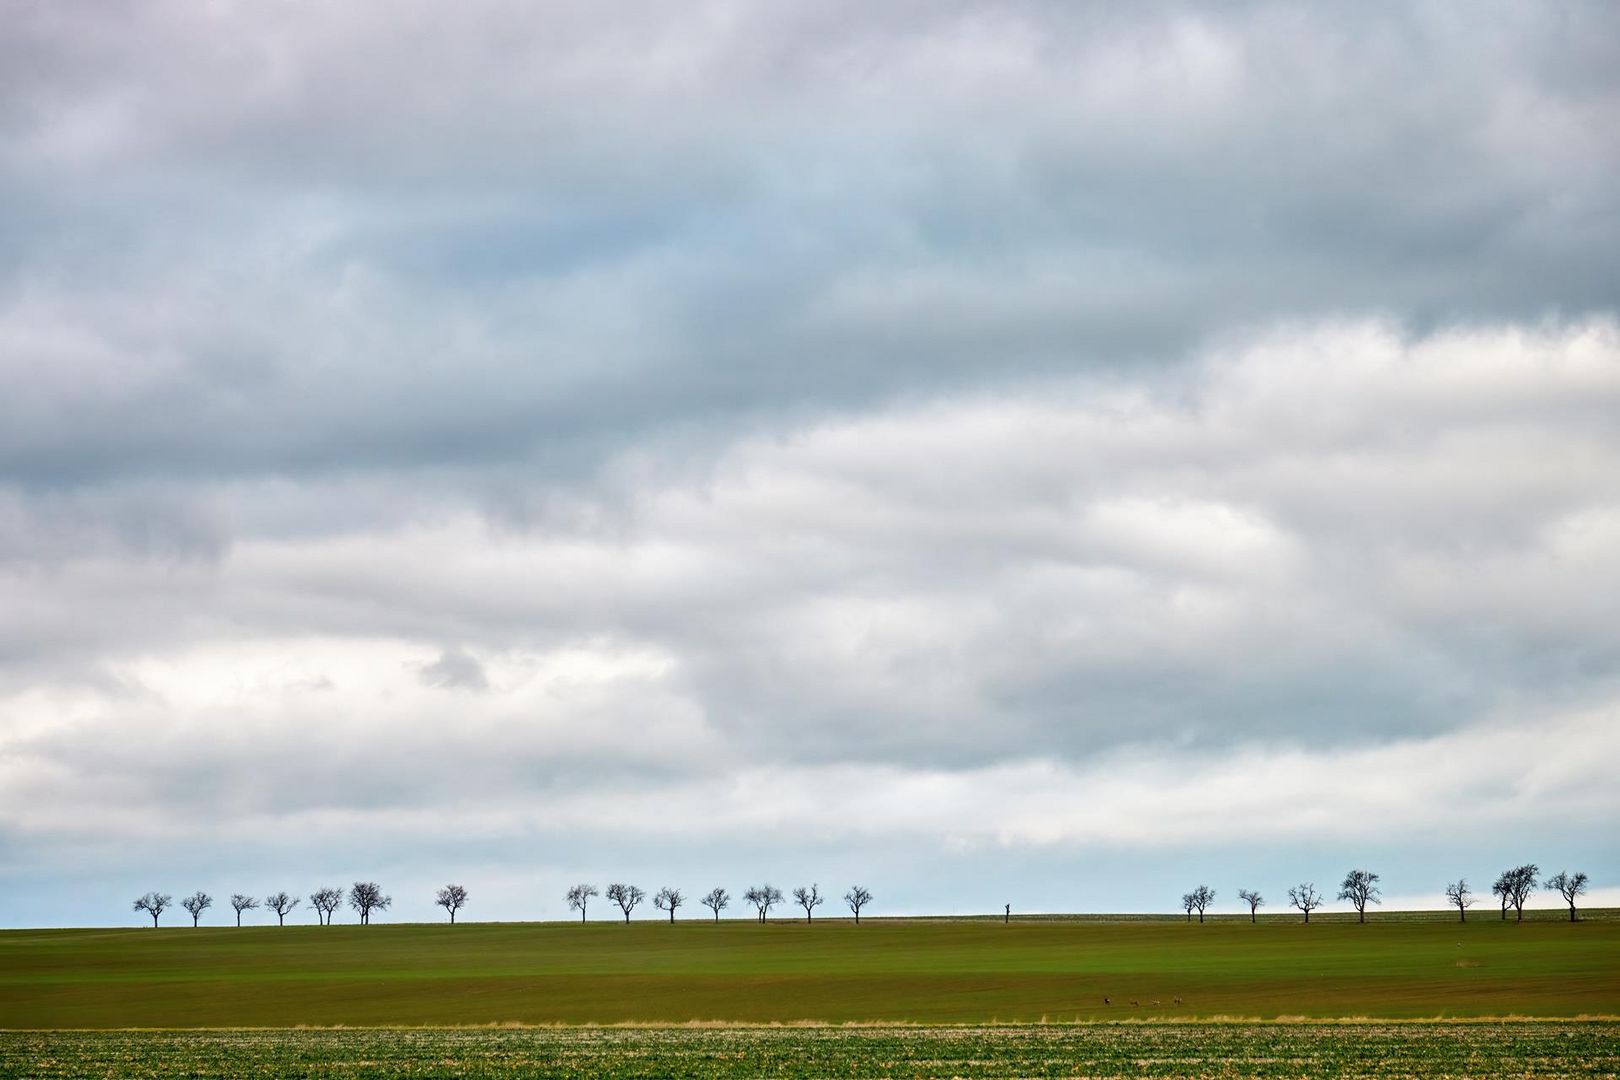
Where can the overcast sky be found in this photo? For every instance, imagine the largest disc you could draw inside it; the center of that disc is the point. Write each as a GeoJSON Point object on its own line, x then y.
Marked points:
{"type": "Point", "coordinates": [991, 452]}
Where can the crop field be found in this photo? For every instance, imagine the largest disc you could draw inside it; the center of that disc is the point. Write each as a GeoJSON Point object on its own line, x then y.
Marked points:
{"type": "Point", "coordinates": [1544, 1049]}
{"type": "Point", "coordinates": [906, 971]}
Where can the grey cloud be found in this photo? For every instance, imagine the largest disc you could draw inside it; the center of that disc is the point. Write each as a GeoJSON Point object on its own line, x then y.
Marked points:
{"type": "Point", "coordinates": [455, 668]}
{"type": "Point", "coordinates": [788, 394]}
{"type": "Point", "coordinates": [582, 231]}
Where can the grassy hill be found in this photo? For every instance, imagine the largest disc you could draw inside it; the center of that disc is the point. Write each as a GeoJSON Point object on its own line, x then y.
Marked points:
{"type": "Point", "coordinates": [910, 970]}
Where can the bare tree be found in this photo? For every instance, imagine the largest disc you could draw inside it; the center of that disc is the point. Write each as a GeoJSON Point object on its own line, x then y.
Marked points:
{"type": "Point", "coordinates": [857, 898]}
{"type": "Point", "coordinates": [808, 898]}
{"type": "Point", "coordinates": [154, 904]}
{"type": "Point", "coordinates": [365, 897]}
{"type": "Point", "coordinates": [1502, 888]}
{"type": "Point", "coordinates": [1360, 887]}
{"type": "Point", "coordinates": [763, 897]}
{"type": "Point", "coordinates": [1254, 900]}
{"type": "Point", "coordinates": [669, 899]}
{"type": "Point", "coordinates": [325, 902]}
{"type": "Point", "coordinates": [717, 899]}
{"type": "Point", "coordinates": [280, 903]}
{"type": "Point", "coordinates": [197, 903]}
{"type": "Point", "coordinates": [1569, 886]}
{"type": "Point", "coordinates": [452, 898]}
{"type": "Point", "coordinates": [1460, 897]}
{"type": "Point", "coordinates": [1197, 900]}
{"type": "Point", "coordinates": [242, 903]}
{"type": "Point", "coordinates": [579, 897]}
{"type": "Point", "coordinates": [1521, 883]}
{"type": "Point", "coordinates": [1006, 913]}
{"type": "Point", "coordinates": [1305, 897]}
{"type": "Point", "coordinates": [626, 896]}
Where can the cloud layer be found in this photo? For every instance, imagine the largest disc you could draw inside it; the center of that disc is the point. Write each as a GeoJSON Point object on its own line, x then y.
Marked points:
{"type": "Point", "coordinates": [966, 441]}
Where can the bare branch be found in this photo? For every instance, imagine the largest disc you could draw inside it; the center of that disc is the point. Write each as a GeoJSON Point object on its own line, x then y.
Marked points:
{"type": "Point", "coordinates": [365, 897]}
{"type": "Point", "coordinates": [763, 897]}
{"type": "Point", "coordinates": [626, 896]}
{"type": "Point", "coordinates": [280, 903]}
{"type": "Point", "coordinates": [154, 904]}
{"type": "Point", "coordinates": [1459, 896]}
{"type": "Point", "coordinates": [1569, 886]}
{"type": "Point", "coordinates": [325, 901]}
{"type": "Point", "coordinates": [718, 898]}
{"type": "Point", "coordinates": [808, 898]}
{"type": "Point", "coordinates": [452, 898]}
{"type": "Point", "coordinates": [857, 898]}
{"type": "Point", "coordinates": [1360, 887]}
{"type": "Point", "coordinates": [242, 903]}
{"type": "Point", "coordinates": [579, 897]}
{"type": "Point", "coordinates": [669, 899]}
{"type": "Point", "coordinates": [197, 903]}
{"type": "Point", "coordinates": [1305, 897]}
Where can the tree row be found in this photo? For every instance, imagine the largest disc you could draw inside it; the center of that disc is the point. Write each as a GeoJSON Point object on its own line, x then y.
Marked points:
{"type": "Point", "coordinates": [1360, 887]}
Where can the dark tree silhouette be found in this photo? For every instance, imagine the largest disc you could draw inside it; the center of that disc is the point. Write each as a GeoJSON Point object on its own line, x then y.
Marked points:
{"type": "Point", "coordinates": [1569, 886]}
{"type": "Point", "coordinates": [197, 903]}
{"type": "Point", "coordinates": [579, 897]}
{"type": "Point", "coordinates": [669, 899]}
{"type": "Point", "coordinates": [1253, 898]}
{"type": "Point", "coordinates": [763, 897]}
{"type": "Point", "coordinates": [325, 902]}
{"type": "Point", "coordinates": [1360, 887]}
{"type": "Point", "coordinates": [1305, 897]}
{"type": "Point", "coordinates": [154, 904]}
{"type": "Point", "coordinates": [242, 903]}
{"type": "Point", "coordinates": [1521, 883]}
{"type": "Point", "coordinates": [857, 898]}
{"type": "Point", "coordinates": [1006, 913]}
{"type": "Point", "coordinates": [365, 897]}
{"type": "Point", "coordinates": [452, 898]}
{"type": "Point", "coordinates": [717, 899]}
{"type": "Point", "coordinates": [1197, 900]}
{"type": "Point", "coordinates": [280, 903]}
{"type": "Point", "coordinates": [1459, 896]}
{"type": "Point", "coordinates": [808, 898]}
{"type": "Point", "coordinates": [626, 896]}
{"type": "Point", "coordinates": [1502, 888]}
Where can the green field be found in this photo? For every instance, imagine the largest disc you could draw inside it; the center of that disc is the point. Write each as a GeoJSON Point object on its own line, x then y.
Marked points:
{"type": "Point", "coordinates": [1551, 1049]}
{"type": "Point", "coordinates": [912, 971]}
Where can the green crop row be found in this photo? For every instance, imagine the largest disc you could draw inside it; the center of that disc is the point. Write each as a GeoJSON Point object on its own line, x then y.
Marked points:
{"type": "Point", "coordinates": [1544, 1049]}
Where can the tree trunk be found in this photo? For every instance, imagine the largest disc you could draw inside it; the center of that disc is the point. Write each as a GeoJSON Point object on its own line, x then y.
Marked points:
{"type": "Point", "coordinates": [452, 918]}
{"type": "Point", "coordinates": [1572, 912]}
{"type": "Point", "coordinates": [1307, 915]}
{"type": "Point", "coordinates": [858, 917]}
{"type": "Point", "coordinates": [1462, 913]}
{"type": "Point", "coordinates": [1251, 916]}
{"type": "Point", "coordinates": [1200, 918]}
{"type": "Point", "coordinates": [154, 920]}
{"type": "Point", "coordinates": [1361, 915]}
{"type": "Point", "coordinates": [671, 915]}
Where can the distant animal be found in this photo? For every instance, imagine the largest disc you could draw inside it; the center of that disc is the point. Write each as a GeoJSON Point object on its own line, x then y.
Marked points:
{"type": "Point", "coordinates": [1106, 1001]}
{"type": "Point", "coordinates": [1133, 1001]}
{"type": "Point", "coordinates": [1156, 1001]}
{"type": "Point", "coordinates": [1178, 1001]}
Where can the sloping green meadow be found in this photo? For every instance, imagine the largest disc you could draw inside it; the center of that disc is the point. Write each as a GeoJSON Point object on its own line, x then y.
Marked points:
{"type": "Point", "coordinates": [910, 971]}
